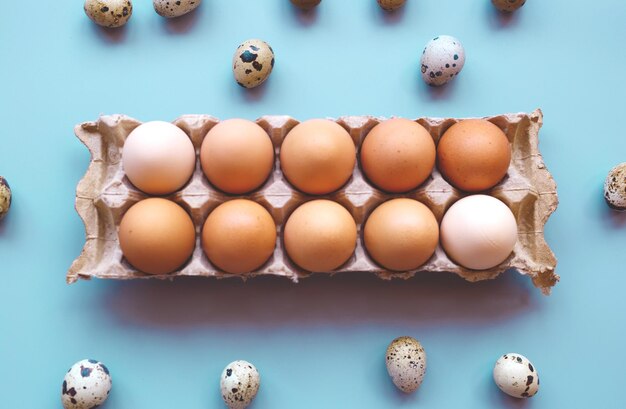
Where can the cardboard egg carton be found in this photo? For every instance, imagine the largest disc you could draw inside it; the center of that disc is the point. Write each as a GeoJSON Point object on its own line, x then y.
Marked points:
{"type": "Point", "coordinates": [105, 193]}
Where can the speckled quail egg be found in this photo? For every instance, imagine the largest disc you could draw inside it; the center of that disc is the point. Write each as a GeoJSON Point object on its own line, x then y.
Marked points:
{"type": "Point", "coordinates": [86, 385]}
{"type": "Point", "coordinates": [109, 13]}
{"type": "Point", "coordinates": [390, 5]}
{"type": "Point", "coordinates": [5, 197]}
{"type": "Point", "coordinates": [239, 384]}
{"type": "Point", "coordinates": [442, 59]}
{"type": "Point", "coordinates": [508, 5]}
{"type": "Point", "coordinates": [173, 8]}
{"type": "Point", "coordinates": [305, 4]}
{"type": "Point", "coordinates": [406, 363]}
{"type": "Point", "coordinates": [252, 63]}
{"type": "Point", "coordinates": [516, 376]}
{"type": "Point", "coordinates": [615, 187]}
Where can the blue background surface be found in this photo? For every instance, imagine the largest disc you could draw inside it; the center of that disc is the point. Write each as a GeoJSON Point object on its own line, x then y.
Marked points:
{"type": "Point", "coordinates": [319, 344]}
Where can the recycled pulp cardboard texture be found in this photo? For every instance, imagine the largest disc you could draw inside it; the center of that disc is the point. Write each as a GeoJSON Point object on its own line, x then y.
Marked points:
{"type": "Point", "coordinates": [104, 194]}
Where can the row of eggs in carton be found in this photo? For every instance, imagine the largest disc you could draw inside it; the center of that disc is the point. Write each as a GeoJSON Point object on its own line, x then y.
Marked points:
{"type": "Point", "coordinates": [317, 157]}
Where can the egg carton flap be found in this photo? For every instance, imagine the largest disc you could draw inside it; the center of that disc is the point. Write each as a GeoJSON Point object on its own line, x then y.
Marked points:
{"type": "Point", "coordinates": [104, 194]}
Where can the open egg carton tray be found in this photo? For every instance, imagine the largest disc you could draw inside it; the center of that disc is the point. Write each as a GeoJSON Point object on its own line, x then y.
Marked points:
{"type": "Point", "coordinates": [105, 193]}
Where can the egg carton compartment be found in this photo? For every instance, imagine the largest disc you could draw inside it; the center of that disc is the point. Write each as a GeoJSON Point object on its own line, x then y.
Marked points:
{"type": "Point", "coordinates": [105, 193]}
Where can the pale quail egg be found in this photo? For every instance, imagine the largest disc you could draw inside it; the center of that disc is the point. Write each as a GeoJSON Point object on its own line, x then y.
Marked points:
{"type": "Point", "coordinates": [615, 187]}
{"type": "Point", "coordinates": [508, 5]}
{"type": "Point", "coordinates": [109, 13]}
{"type": "Point", "coordinates": [516, 376]}
{"type": "Point", "coordinates": [252, 63]}
{"type": "Point", "coordinates": [239, 384]}
{"type": "Point", "coordinates": [390, 5]}
{"type": "Point", "coordinates": [406, 363]}
{"type": "Point", "coordinates": [305, 4]}
{"type": "Point", "coordinates": [86, 385]}
{"type": "Point", "coordinates": [5, 197]}
{"type": "Point", "coordinates": [175, 8]}
{"type": "Point", "coordinates": [442, 59]}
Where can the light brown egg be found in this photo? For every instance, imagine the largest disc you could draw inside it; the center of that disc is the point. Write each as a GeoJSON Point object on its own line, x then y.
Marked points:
{"type": "Point", "coordinates": [401, 234]}
{"type": "Point", "coordinates": [320, 236]}
{"type": "Point", "coordinates": [237, 156]}
{"type": "Point", "coordinates": [318, 156]}
{"type": "Point", "coordinates": [156, 236]}
{"type": "Point", "coordinates": [239, 236]}
{"type": "Point", "coordinates": [474, 155]}
{"type": "Point", "coordinates": [398, 155]}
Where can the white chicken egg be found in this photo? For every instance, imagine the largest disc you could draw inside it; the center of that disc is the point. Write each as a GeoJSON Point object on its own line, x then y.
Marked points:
{"type": "Point", "coordinates": [239, 384]}
{"type": "Point", "coordinates": [406, 363]}
{"type": "Point", "coordinates": [478, 232]}
{"type": "Point", "coordinates": [442, 60]}
{"type": "Point", "coordinates": [516, 376]}
{"type": "Point", "coordinates": [86, 385]}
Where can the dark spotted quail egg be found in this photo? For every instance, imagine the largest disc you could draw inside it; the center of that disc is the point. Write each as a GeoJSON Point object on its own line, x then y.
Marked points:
{"type": "Point", "coordinates": [86, 385]}
{"type": "Point", "coordinates": [175, 8]}
{"type": "Point", "coordinates": [442, 60]}
{"type": "Point", "coordinates": [252, 63]}
{"type": "Point", "coordinates": [614, 187]}
{"type": "Point", "coordinates": [390, 5]}
{"type": "Point", "coordinates": [109, 13]}
{"type": "Point", "coordinates": [305, 4]}
{"type": "Point", "coordinates": [5, 197]}
{"type": "Point", "coordinates": [406, 363]}
{"type": "Point", "coordinates": [516, 376]}
{"type": "Point", "coordinates": [239, 384]}
{"type": "Point", "coordinates": [508, 5]}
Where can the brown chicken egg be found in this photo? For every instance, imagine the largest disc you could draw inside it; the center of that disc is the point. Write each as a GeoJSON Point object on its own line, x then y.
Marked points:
{"type": "Point", "coordinates": [474, 155]}
{"type": "Point", "coordinates": [398, 155]}
{"type": "Point", "coordinates": [156, 236]}
{"type": "Point", "coordinates": [239, 236]}
{"type": "Point", "coordinates": [320, 236]}
{"type": "Point", "coordinates": [401, 234]}
{"type": "Point", "coordinates": [237, 156]}
{"type": "Point", "coordinates": [318, 156]}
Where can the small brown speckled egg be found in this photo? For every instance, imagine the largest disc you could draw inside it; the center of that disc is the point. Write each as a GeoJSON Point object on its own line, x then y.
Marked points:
{"type": "Point", "coordinates": [173, 9]}
{"type": "Point", "coordinates": [109, 13]}
{"type": "Point", "coordinates": [406, 363]}
{"type": "Point", "coordinates": [305, 4]}
{"type": "Point", "coordinates": [516, 376]}
{"type": "Point", "coordinates": [390, 5]}
{"type": "Point", "coordinates": [508, 5]}
{"type": "Point", "coordinates": [443, 59]}
{"type": "Point", "coordinates": [252, 63]}
{"type": "Point", "coordinates": [615, 187]}
{"type": "Point", "coordinates": [5, 197]}
{"type": "Point", "coordinates": [86, 385]}
{"type": "Point", "coordinates": [239, 384]}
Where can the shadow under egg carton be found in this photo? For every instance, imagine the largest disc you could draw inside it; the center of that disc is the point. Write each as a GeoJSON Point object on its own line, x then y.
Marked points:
{"type": "Point", "coordinates": [105, 193]}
